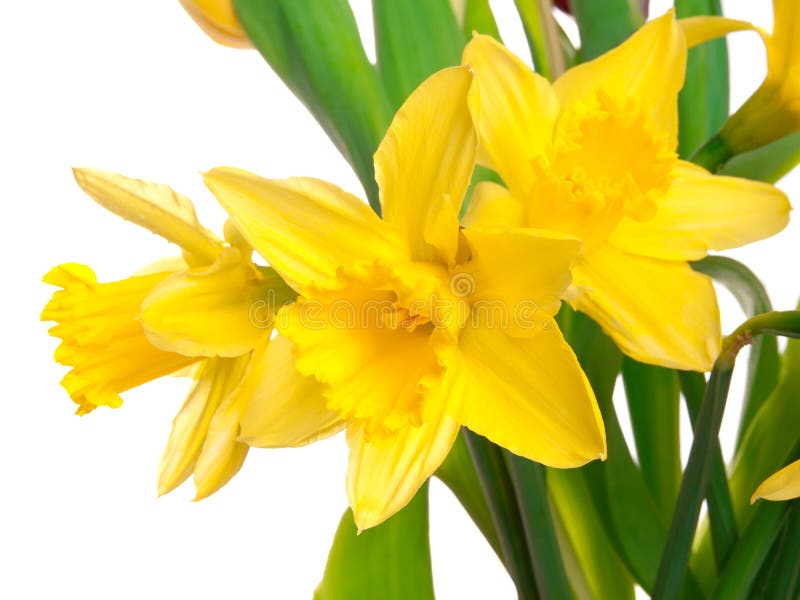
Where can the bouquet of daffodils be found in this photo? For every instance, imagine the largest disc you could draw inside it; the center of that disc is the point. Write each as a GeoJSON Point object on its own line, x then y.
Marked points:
{"type": "Point", "coordinates": [525, 237]}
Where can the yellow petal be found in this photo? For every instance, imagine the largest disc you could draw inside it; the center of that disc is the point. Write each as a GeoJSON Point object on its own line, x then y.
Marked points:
{"type": "Point", "coordinates": [221, 310]}
{"type": "Point", "coordinates": [307, 229]}
{"type": "Point", "coordinates": [516, 271]}
{"type": "Point", "coordinates": [657, 311]}
{"type": "Point", "coordinates": [515, 110]}
{"type": "Point", "coordinates": [783, 485]}
{"type": "Point", "coordinates": [701, 29]}
{"type": "Point", "coordinates": [218, 19]}
{"type": "Point", "coordinates": [154, 206]}
{"type": "Point", "coordinates": [702, 212]}
{"type": "Point", "coordinates": [371, 371]}
{"type": "Point", "coordinates": [223, 454]}
{"type": "Point", "coordinates": [102, 340]}
{"type": "Point", "coordinates": [283, 408]}
{"type": "Point", "coordinates": [528, 395]}
{"type": "Point", "coordinates": [648, 67]}
{"type": "Point", "coordinates": [214, 383]}
{"type": "Point", "coordinates": [424, 164]}
{"type": "Point", "coordinates": [384, 474]}
{"type": "Point", "coordinates": [492, 205]}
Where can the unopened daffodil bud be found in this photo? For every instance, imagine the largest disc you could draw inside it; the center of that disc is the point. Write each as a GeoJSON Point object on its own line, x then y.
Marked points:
{"type": "Point", "coordinates": [773, 111]}
{"type": "Point", "coordinates": [218, 19]}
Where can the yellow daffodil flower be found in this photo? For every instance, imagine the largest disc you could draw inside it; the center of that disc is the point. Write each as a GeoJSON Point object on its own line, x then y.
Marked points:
{"type": "Point", "coordinates": [119, 335]}
{"type": "Point", "coordinates": [218, 19]}
{"type": "Point", "coordinates": [783, 485]}
{"type": "Point", "coordinates": [593, 156]}
{"type": "Point", "coordinates": [773, 111]}
{"type": "Point", "coordinates": [413, 326]}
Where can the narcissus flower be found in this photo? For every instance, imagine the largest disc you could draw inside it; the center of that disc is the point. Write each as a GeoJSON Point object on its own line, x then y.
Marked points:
{"type": "Point", "coordinates": [593, 156]}
{"type": "Point", "coordinates": [413, 326]}
{"type": "Point", "coordinates": [119, 335]}
{"type": "Point", "coordinates": [773, 111]}
{"type": "Point", "coordinates": [218, 19]}
{"type": "Point", "coordinates": [783, 485]}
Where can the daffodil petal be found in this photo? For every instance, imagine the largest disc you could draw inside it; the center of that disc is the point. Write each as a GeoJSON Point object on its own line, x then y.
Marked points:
{"type": "Point", "coordinates": [384, 474]}
{"type": "Point", "coordinates": [223, 454]}
{"type": "Point", "coordinates": [214, 383]}
{"type": "Point", "coordinates": [212, 311]}
{"type": "Point", "coordinates": [154, 206]}
{"type": "Point", "coordinates": [283, 408]}
{"type": "Point", "coordinates": [362, 363]}
{"type": "Point", "coordinates": [783, 485]}
{"type": "Point", "coordinates": [702, 212]}
{"type": "Point", "coordinates": [526, 394]}
{"type": "Point", "coordinates": [701, 29]}
{"type": "Point", "coordinates": [424, 164]}
{"type": "Point", "coordinates": [516, 271]}
{"type": "Point", "coordinates": [515, 110]}
{"type": "Point", "coordinates": [657, 311]}
{"type": "Point", "coordinates": [492, 205]}
{"type": "Point", "coordinates": [306, 228]}
{"type": "Point", "coordinates": [648, 67]}
{"type": "Point", "coordinates": [783, 48]}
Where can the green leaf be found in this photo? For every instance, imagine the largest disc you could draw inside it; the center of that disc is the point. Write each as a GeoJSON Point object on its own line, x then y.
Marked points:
{"type": "Point", "coordinates": [653, 395]}
{"type": "Point", "coordinates": [768, 163]}
{"type": "Point", "coordinates": [458, 473]}
{"type": "Point", "coordinates": [769, 442]}
{"type": "Point", "coordinates": [390, 561]}
{"type": "Point", "coordinates": [413, 40]}
{"type": "Point", "coordinates": [543, 37]}
{"type": "Point", "coordinates": [315, 48]}
{"type": "Point", "coordinates": [605, 25]}
{"type": "Point", "coordinates": [781, 571]}
{"type": "Point", "coordinates": [478, 18]}
{"type": "Point", "coordinates": [499, 493]}
{"type": "Point", "coordinates": [703, 101]}
{"type": "Point", "coordinates": [696, 475]}
{"type": "Point", "coordinates": [736, 579]}
{"type": "Point", "coordinates": [597, 558]}
{"type": "Point", "coordinates": [764, 364]}
{"type": "Point", "coordinates": [538, 526]}
{"type": "Point", "coordinates": [633, 522]}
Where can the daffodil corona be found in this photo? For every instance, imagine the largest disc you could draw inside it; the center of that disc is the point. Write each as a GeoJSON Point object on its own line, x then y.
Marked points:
{"type": "Point", "coordinates": [413, 326]}
{"type": "Point", "coordinates": [593, 156]}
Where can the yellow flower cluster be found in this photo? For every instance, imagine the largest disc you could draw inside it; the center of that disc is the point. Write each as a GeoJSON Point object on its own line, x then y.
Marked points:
{"type": "Point", "coordinates": [401, 329]}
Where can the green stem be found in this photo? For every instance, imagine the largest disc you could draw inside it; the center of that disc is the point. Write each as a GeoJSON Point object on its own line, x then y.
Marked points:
{"type": "Point", "coordinates": [696, 475]}
{"type": "Point", "coordinates": [537, 521]}
{"type": "Point", "coordinates": [720, 505]}
{"type": "Point", "coordinates": [713, 154]}
{"type": "Point", "coordinates": [499, 493]}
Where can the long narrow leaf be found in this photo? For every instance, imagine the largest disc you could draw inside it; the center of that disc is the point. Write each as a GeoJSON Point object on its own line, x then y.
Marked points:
{"type": "Point", "coordinates": [605, 573]}
{"type": "Point", "coordinates": [391, 561]}
{"type": "Point", "coordinates": [703, 101]}
{"type": "Point", "coordinates": [478, 18]}
{"type": "Point", "coordinates": [315, 48]}
{"type": "Point", "coordinates": [413, 40]}
{"type": "Point", "coordinates": [654, 401]}
{"type": "Point", "coordinates": [605, 25]}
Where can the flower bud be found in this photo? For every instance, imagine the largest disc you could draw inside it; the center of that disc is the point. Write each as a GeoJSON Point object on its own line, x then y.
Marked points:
{"type": "Point", "coordinates": [218, 19]}
{"type": "Point", "coordinates": [773, 111]}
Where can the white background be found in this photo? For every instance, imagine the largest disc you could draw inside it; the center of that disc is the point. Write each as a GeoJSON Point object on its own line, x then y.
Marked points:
{"type": "Point", "coordinates": [136, 88]}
